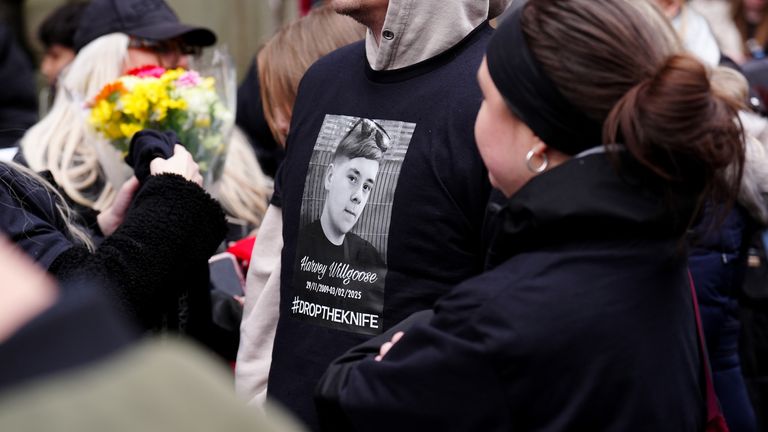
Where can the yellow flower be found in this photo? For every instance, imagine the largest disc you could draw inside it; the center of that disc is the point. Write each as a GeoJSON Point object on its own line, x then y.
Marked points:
{"type": "Point", "coordinates": [172, 75]}
{"type": "Point", "coordinates": [101, 112]}
{"type": "Point", "coordinates": [129, 129]}
{"type": "Point", "coordinates": [179, 104]}
{"type": "Point", "coordinates": [136, 104]}
{"type": "Point", "coordinates": [203, 121]}
{"type": "Point", "coordinates": [112, 131]}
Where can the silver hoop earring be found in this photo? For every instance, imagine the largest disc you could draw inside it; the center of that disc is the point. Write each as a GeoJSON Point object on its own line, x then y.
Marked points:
{"type": "Point", "coordinates": [540, 168]}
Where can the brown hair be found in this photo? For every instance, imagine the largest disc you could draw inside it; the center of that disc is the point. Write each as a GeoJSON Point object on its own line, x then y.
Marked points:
{"type": "Point", "coordinates": [739, 16]}
{"type": "Point", "coordinates": [622, 65]}
{"type": "Point", "coordinates": [292, 50]}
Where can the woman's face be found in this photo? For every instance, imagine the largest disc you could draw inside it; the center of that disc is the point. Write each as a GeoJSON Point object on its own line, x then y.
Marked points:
{"type": "Point", "coordinates": [755, 5]}
{"type": "Point", "coordinates": [502, 139]}
{"type": "Point", "coordinates": [167, 54]}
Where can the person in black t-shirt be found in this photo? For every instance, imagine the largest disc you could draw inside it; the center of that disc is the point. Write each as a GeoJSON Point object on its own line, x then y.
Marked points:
{"type": "Point", "coordinates": [342, 273]}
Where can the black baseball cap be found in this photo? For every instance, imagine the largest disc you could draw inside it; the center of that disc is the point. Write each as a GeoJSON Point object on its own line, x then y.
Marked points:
{"type": "Point", "coordinates": [147, 19]}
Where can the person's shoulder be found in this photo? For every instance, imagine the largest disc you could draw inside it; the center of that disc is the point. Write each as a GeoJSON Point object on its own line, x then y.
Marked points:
{"type": "Point", "coordinates": [354, 239]}
{"type": "Point", "coordinates": [6, 172]}
{"type": "Point", "coordinates": [340, 59]}
{"type": "Point", "coordinates": [363, 249]}
{"type": "Point", "coordinates": [23, 186]}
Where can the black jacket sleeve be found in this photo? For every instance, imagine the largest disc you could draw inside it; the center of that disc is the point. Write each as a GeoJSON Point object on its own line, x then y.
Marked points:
{"type": "Point", "coordinates": [158, 255]}
{"type": "Point", "coordinates": [441, 375]}
{"type": "Point", "coordinates": [334, 380]}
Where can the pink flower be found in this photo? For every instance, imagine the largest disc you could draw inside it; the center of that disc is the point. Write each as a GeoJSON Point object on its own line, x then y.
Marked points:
{"type": "Point", "coordinates": [189, 79]}
{"type": "Point", "coordinates": [147, 71]}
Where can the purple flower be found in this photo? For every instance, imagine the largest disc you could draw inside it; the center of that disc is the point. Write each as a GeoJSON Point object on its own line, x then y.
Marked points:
{"type": "Point", "coordinates": [189, 79]}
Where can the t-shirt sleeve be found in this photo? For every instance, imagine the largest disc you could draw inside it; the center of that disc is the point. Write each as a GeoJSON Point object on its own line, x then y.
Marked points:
{"type": "Point", "coordinates": [276, 194]}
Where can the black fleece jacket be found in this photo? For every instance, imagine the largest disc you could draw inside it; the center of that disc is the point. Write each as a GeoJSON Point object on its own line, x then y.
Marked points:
{"type": "Point", "coordinates": [157, 256]}
{"type": "Point", "coordinates": [154, 264]}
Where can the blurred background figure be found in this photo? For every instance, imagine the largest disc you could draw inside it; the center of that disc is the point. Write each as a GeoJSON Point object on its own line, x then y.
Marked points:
{"type": "Point", "coordinates": [740, 26]}
{"type": "Point", "coordinates": [752, 22]}
{"type": "Point", "coordinates": [289, 53]}
{"type": "Point", "coordinates": [18, 100]}
{"type": "Point", "coordinates": [266, 95]}
{"type": "Point", "coordinates": [57, 34]}
{"type": "Point", "coordinates": [718, 260]}
{"type": "Point", "coordinates": [250, 118]}
{"type": "Point", "coordinates": [111, 40]}
{"type": "Point", "coordinates": [693, 30]}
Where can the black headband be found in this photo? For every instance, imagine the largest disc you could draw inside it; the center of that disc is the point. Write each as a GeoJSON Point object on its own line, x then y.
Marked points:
{"type": "Point", "coordinates": [531, 95]}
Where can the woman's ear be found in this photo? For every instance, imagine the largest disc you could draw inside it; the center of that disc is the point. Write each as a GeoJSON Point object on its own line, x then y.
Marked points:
{"type": "Point", "coordinates": [553, 156]}
{"type": "Point", "coordinates": [539, 147]}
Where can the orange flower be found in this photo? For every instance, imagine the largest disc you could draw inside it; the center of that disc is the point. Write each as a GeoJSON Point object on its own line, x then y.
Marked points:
{"type": "Point", "coordinates": [109, 90]}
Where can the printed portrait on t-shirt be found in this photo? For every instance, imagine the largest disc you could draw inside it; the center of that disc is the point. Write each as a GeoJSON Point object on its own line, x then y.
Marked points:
{"type": "Point", "coordinates": [340, 265]}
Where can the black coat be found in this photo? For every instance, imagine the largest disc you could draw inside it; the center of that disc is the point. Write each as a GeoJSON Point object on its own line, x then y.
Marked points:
{"type": "Point", "coordinates": [158, 255]}
{"type": "Point", "coordinates": [583, 322]}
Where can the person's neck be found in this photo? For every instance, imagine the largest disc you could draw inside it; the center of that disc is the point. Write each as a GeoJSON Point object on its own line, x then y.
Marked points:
{"type": "Point", "coordinates": [376, 30]}
{"type": "Point", "coordinates": [333, 236]}
{"type": "Point", "coordinates": [374, 21]}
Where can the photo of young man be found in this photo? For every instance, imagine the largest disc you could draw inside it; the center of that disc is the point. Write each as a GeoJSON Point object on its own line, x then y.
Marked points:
{"type": "Point", "coordinates": [340, 274]}
{"type": "Point", "coordinates": [351, 178]}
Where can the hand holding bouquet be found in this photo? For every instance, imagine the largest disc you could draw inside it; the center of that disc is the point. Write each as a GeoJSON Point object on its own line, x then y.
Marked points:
{"type": "Point", "coordinates": [155, 98]}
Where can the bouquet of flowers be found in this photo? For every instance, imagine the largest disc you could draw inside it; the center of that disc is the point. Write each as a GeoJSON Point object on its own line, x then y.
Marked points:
{"type": "Point", "coordinates": [179, 100]}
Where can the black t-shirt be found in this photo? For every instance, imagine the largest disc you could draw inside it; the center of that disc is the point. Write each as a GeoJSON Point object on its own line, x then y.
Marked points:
{"type": "Point", "coordinates": [424, 216]}
{"type": "Point", "coordinates": [335, 276]}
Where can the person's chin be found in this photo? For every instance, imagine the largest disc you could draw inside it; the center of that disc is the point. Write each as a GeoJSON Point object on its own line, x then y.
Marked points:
{"type": "Point", "coordinates": [347, 225]}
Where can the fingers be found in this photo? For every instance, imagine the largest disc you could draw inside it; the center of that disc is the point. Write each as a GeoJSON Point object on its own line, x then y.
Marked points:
{"type": "Point", "coordinates": [112, 217]}
{"type": "Point", "coordinates": [129, 187]}
{"type": "Point", "coordinates": [192, 169]}
{"type": "Point", "coordinates": [179, 149]}
{"type": "Point", "coordinates": [386, 346]}
{"type": "Point", "coordinates": [125, 195]}
{"type": "Point", "coordinates": [180, 163]}
{"type": "Point", "coordinates": [397, 336]}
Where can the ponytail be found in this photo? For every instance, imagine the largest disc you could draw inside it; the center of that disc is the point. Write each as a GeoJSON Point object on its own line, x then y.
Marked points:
{"type": "Point", "coordinates": [682, 129]}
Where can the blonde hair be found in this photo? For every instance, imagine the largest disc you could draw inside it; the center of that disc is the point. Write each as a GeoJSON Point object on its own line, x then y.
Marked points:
{"type": "Point", "coordinates": [243, 189]}
{"type": "Point", "coordinates": [58, 142]}
{"type": "Point", "coordinates": [292, 50]}
{"type": "Point", "coordinates": [32, 180]}
{"type": "Point", "coordinates": [730, 82]}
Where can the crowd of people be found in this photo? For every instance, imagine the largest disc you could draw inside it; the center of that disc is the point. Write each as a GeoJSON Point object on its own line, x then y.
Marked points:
{"type": "Point", "coordinates": [495, 215]}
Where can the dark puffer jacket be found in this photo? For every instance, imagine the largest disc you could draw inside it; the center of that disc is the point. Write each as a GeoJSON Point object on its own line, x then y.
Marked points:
{"type": "Point", "coordinates": [717, 262]}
